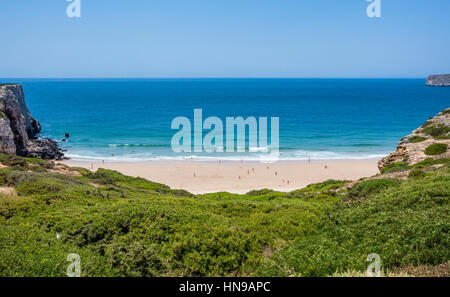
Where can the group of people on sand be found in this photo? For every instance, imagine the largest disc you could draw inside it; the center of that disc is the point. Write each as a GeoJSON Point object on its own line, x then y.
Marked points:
{"type": "Point", "coordinates": [268, 167]}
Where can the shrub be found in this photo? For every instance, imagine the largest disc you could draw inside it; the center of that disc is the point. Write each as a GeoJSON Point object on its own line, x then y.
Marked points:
{"type": "Point", "coordinates": [436, 149]}
{"type": "Point", "coordinates": [416, 173]}
{"type": "Point", "coordinates": [394, 167]}
{"type": "Point", "coordinates": [12, 160]}
{"type": "Point", "coordinates": [44, 186]}
{"type": "Point", "coordinates": [156, 231]}
{"type": "Point", "coordinates": [106, 176]}
{"type": "Point", "coordinates": [370, 187]}
{"type": "Point", "coordinates": [405, 225]}
{"type": "Point", "coordinates": [135, 260]}
{"type": "Point", "coordinates": [181, 193]}
{"type": "Point", "coordinates": [430, 162]}
{"type": "Point", "coordinates": [4, 176]}
{"type": "Point", "coordinates": [436, 131]}
{"type": "Point", "coordinates": [17, 177]}
{"type": "Point", "coordinates": [37, 161]}
{"type": "Point", "coordinates": [260, 192]}
{"type": "Point", "coordinates": [81, 170]}
{"type": "Point", "coordinates": [327, 185]}
{"type": "Point", "coordinates": [416, 139]}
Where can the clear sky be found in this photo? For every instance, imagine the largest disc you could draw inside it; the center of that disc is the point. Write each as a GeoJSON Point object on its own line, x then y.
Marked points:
{"type": "Point", "coordinates": [224, 38]}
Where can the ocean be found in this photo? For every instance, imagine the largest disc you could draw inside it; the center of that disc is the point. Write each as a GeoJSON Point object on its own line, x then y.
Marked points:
{"type": "Point", "coordinates": [130, 119]}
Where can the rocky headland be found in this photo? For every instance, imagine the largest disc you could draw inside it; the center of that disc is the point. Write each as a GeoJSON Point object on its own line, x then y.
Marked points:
{"type": "Point", "coordinates": [430, 141]}
{"type": "Point", "coordinates": [18, 129]}
{"type": "Point", "coordinates": [440, 80]}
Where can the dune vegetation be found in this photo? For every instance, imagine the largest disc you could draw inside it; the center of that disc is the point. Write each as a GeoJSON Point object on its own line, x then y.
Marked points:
{"type": "Point", "coordinates": [436, 149]}
{"type": "Point", "coordinates": [125, 226]}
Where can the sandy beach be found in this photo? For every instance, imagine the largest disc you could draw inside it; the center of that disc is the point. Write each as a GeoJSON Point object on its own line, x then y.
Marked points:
{"type": "Point", "coordinates": [237, 177]}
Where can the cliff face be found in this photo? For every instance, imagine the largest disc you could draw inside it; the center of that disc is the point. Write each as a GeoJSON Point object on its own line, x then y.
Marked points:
{"type": "Point", "coordinates": [18, 129]}
{"type": "Point", "coordinates": [442, 80]}
{"type": "Point", "coordinates": [413, 148]}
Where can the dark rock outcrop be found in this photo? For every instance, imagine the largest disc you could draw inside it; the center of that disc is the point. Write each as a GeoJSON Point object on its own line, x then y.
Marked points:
{"type": "Point", "coordinates": [18, 129]}
{"type": "Point", "coordinates": [411, 148]}
{"type": "Point", "coordinates": [441, 80]}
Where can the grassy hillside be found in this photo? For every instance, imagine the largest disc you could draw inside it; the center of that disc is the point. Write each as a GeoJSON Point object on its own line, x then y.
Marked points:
{"type": "Point", "coordinates": [124, 226]}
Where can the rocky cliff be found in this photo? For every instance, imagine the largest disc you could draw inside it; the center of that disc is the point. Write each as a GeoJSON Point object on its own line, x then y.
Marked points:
{"type": "Point", "coordinates": [442, 80]}
{"type": "Point", "coordinates": [431, 140]}
{"type": "Point", "coordinates": [18, 129]}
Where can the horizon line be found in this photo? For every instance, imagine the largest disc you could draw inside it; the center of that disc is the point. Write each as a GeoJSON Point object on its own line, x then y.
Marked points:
{"type": "Point", "coordinates": [209, 77]}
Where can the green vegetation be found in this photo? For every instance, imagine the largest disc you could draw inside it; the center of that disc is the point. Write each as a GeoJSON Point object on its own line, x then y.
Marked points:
{"type": "Point", "coordinates": [437, 131]}
{"type": "Point", "coordinates": [430, 162]}
{"type": "Point", "coordinates": [436, 149]}
{"type": "Point", "coordinates": [402, 166]}
{"type": "Point", "coordinates": [395, 167]}
{"type": "Point", "coordinates": [416, 139]}
{"type": "Point", "coordinates": [407, 224]}
{"type": "Point", "coordinates": [366, 188]}
{"type": "Point", "coordinates": [125, 226]}
{"type": "Point", "coordinates": [417, 173]}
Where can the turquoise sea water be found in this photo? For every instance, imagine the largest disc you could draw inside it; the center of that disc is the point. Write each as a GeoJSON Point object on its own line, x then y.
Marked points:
{"type": "Point", "coordinates": [130, 119]}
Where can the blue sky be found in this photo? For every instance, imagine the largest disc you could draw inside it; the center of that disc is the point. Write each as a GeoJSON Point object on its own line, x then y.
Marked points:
{"type": "Point", "coordinates": [224, 38]}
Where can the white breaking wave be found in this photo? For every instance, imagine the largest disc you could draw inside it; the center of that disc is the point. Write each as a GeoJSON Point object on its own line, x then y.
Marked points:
{"type": "Point", "coordinates": [257, 155]}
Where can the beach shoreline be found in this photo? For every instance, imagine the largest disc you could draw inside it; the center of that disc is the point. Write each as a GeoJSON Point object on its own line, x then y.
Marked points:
{"type": "Point", "coordinates": [240, 177]}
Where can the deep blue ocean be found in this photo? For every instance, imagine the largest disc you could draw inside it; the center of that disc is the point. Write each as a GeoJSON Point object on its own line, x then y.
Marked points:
{"type": "Point", "coordinates": [129, 119]}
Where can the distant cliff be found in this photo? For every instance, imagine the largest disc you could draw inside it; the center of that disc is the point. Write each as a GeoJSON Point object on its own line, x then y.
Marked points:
{"type": "Point", "coordinates": [18, 129]}
{"type": "Point", "coordinates": [430, 141]}
{"type": "Point", "coordinates": [442, 80]}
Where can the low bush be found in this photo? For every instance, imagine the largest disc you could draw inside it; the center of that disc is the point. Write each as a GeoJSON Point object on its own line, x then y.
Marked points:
{"type": "Point", "coordinates": [395, 167]}
{"type": "Point", "coordinates": [40, 187]}
{"type": "Point", "coordinates": [12, 160]}
{"type": "Point", "coordinates": [437, 131]}
{"type": "Point", "coordinates": [416, 139]}
{"type": "Point", "coordinates": [417, 173]}
{"type": "Point", "coordinates": [436, 149]}
{"type": "Point", "coordinates": [371, 187]}
{"type": "Point", "coordinates": [406, 225]}
{"type": "Point", "coordinates": [106, 176]}
{"type": "Point", "coordinates": [430, 162]}
{"type": "Point", "coordinates": [126, 226]}
{"type": "Point", "coordinates": [324, 186]}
